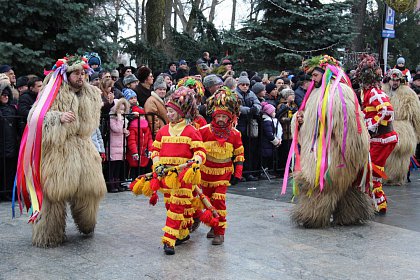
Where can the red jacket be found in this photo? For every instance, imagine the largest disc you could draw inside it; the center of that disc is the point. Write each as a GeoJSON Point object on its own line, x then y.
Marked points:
{"type": "Point", "coordinates": [139, 142]}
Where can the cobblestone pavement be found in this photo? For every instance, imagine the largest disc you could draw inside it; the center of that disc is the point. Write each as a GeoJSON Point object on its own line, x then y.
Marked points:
{"type": "Point", "coordinates": [260, 243]}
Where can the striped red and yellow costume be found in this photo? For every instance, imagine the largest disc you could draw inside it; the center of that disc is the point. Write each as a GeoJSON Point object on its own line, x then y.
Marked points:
{"type": "Point", "coordinates": [224, 158]}
{"type": "Point", "coordinates": [175, 144]}
{"type": "Point", "coordinates": [379, 115]}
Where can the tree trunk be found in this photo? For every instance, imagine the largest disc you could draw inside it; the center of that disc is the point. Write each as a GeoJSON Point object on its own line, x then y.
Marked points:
{"type": "Point", "coordinates": [212, 10]}
{"type": "Point", "coordinates": [233, 19]}
{"type": "Point", "coordinates": [193, 17]}
{"type": "Point", "coordinates": [137, 21]}
{"type": "Point", "coordinates": [168, 17]}
{"type": "Point", "coordinates": [359, 12]}
{"type": "Point", "coordinates": [155, 12]}
{"type": "Point", "coordinates": [143, 21]}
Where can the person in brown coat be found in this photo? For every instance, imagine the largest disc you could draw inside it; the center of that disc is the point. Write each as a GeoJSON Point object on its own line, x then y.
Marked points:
{"type": "Point", "coordinates": [156, 105]}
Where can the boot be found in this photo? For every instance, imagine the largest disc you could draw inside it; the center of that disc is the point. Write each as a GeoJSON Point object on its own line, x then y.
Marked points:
{"type": "Point", "coordinates": [180, 241]}
{"type": "Point", "coordinates": [169, 250]}
{"type": "Point", "coordinates": [195, 225]}
{"type": "Point", "coordinates": [218, 239]}
{"type": "Point", "coordinates": [111, 186]}
{"type": "Point", "coordinates": [210, 234]}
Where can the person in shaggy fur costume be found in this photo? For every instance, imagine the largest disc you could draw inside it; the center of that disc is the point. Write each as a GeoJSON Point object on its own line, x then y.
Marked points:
{"type": "Point", "coordinates": [58, 163]}
{"type": "Point", "coordinates": [406, 123]}
{"type": "Point", "coordinates": [379, 116]}
{"type": "Point", "coordinates": [334, 148]}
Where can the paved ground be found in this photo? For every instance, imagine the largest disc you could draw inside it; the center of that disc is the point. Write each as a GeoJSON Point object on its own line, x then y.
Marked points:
{"type": "Point", "coordinates": [260, 243]}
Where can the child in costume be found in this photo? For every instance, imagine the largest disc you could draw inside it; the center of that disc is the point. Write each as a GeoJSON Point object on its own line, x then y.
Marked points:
{"type": "Point", "coordinates": [175, 144]}
{"type": "Point", "coordinates": [225, 155]}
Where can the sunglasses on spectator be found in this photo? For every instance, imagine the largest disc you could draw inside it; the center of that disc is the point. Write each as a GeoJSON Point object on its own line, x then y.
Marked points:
{"type": "Point", "coordinates": [107, 77]}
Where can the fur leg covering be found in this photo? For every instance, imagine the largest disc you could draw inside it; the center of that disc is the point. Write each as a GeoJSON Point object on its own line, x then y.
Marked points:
{"type": "Point", "coordinates": [49, 228]}
{"type": "Point", "coordinates": [84, 211]}
{"type": "Point", "coordinates": [398, 162]}
{"type": "Point", "coordinates": [353, 208]}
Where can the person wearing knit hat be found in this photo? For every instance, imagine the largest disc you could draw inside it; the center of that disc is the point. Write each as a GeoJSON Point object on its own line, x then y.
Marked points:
{"type": "Point", "coordinates": [129, 94]}
{"type": "Point", "coordinates": [259, 90]}
{"type": "Point", "coordinates": [70, 165]}
{"type": "Point", "coordinates": [406, 124]}
{"type": "Point", "coordinates": [155, 106]}
{"type": "Point", "coordinates": [272, 94]}
{"type": "Point", "coordinates": [243, 80]}
{"type": "Point", "coordinates": [405, 71]}
{"type": "Point", "coordinates": [95, 62]}
{"type": "Point", "coordinates": [175, 144]}
{"type": "Point", "coordinates": [22, 84]}
{"type": "Point", "coordinates": [225, 155]}
{"type": "Point", "coordinates": [160, 83]}
{"type": "Point", "coordinates": [271, 136]}
{"type": "Point", "coordinates": [130, 81]}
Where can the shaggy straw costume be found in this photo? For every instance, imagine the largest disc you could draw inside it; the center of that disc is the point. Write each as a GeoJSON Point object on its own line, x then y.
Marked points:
{"type": "Point", "coordinates": [65, 157]}
{"type": "Point", "coordinates": [407, 124]}
{"type": "Point", "coordinates": [326, 169]}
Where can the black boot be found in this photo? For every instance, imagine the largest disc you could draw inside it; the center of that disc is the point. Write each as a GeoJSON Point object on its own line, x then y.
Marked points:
{"type": "Point", "coordinates": [180, 241]}
{"type": "Point", "coordinates": [169, 250]}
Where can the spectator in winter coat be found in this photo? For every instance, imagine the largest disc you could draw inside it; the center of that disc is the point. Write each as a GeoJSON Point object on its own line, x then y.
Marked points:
{"type": "Point", "coordinates": [259, 89]}
{"type": "Point", "coordinates": [118, 131]}
{"type": "Point", "coordinates": [27, 99]}
{"type": "Point", "coordinates": [9, 146]}
{"type": "Point", "coordinates": [300, 92]}
{"type": "Point", "coordinates": [250, 109]}
{"type": "Point", "coordinates": [271, 134]}
{"type": "Point", "coordinates": [272, 94]}
{"type": "Point", "coordinates": [98, 142]}
{"type": "Point", "coordinates": [144, 88]}
{"type": "Point", "coordinates": [156, 105]}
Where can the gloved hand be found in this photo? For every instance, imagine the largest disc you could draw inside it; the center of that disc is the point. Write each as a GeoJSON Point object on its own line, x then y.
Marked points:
{"type": "Point", "coordinates": [135, 156]}
{"type": "Point", "coordinates": [253, 111]}
{"type": "Point", "coordinates": [158, 168]}
{"type": "Point", "coordinates": [234, 180]}
{"type": "Point", "coordinates": [103, 156]}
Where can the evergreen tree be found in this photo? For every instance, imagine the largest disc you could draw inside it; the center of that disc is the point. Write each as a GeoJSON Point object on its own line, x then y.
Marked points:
{"type": "Point", "coordinates": [285, 29]}
{"type": "Point", "coordinates": [35, 33]}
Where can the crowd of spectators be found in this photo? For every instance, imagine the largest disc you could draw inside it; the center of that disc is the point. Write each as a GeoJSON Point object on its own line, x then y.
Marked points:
{"type": "Point", "coordinates": [268, 104]}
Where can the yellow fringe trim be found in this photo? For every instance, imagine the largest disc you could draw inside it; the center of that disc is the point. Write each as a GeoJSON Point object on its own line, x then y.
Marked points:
{"type": "Point", "coordinates": [174, 216]}
{"type": "Point", "coordinates": [168, 241]}
{"type": "Point", "coordinates": [197, 144]}
{"type": "Point", "coordinates": [216, 171]}
{"type": "Point", "coordinates": [197, 204]}
{"type": "Point", "coordinates": [163, 190]}
{"type": "Point", "coordinates": [172, 160]}
{"type": "Point", "coordinates": [193, 175]}
{"type": "Point", "coordinates": [238, 151]}
{"type": "Point", "coordinates": [215, 184]}
{"type": "Point", "coordinates": [189, 211]}
{"type": "Point", "coordinates": [223, 224]}
{"type": "Point", "coordinates": [222, 213]}
{"type": "Point", "coordinates": [166, 200]}
{"type": "Point", "coordinates": [154, 154]}
{"type": "Point", "coordinates": [219, 196]}
{"type": "Point", "coordinates": [147, 190]}
{"type": "Point", "coordinates": [176, 139]}
{"type": "Point", "coordinates": [171, 231]}
{"type": "Point", "coordinates": [239, 159]}
{"type": "Point", "coordinates": [187, 222]}
{"type": "Point", "coordinates": [171, 180]}
{"type": "Point", "coordinates": [180, 201]}
{"type": "Point", "coordinates": [214, 149]}
{"type": "Point", "coordinates": [183, 233]}
{"type": "Point", "coordinates": [183, 192]}
{"type": "Point", "coordinates": [380, 106]}
{"type": "Point", "coordinates": [157, 144]}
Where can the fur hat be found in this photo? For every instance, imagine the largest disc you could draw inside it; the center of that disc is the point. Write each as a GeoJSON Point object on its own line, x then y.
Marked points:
{"type": "Point", "coordinates": [367, 72]}
{"type": "Point", "coordinates": [143, 73]}
{"type": "Point", "coordinates": [129, 79]}
{"type": "Point", "coordinates": [400, 60]}
{"type": "Point", "coordinates": [128, 93]}
{"type": "Point", "coordinates": [192, 83]}
{"type": "Point", "coordinates": [4, 82]}
{"type": "Point", "coordinates": [395, 75]}
{"type": "Point", "coordinates": [183, 102]}
{"type": "Point", "coordinates": [224, 99]}
{"type": "Point", "coordinates": [160, 83]}
{"type": "Point", "coordinates": [267, 108]}
{"type": "Point", "coordinates": [257, 88]}
{"type": "Point", "coordinates": [269, 87]}
{"type": "Point", "coordinates": [287, 92]}
{"type": "Point", "coordinates": [212, 80]}
{"type": "Point", "coordinates": [5, 68]}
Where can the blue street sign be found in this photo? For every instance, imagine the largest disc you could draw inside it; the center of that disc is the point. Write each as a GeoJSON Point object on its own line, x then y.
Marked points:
{"type": "Point", "coordinates": [389, 18]}
{"type": "Point", "coordinates": [388, 33]}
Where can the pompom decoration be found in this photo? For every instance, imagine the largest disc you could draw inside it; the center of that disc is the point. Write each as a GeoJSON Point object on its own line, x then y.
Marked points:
{"type": "Point", "coordinates": [197, 204]}
{"type": "Point", "coordinates": [155, 183]}
{"type": "Point", "coordinates": [214, 222]}
{"type": "Point", "coordinates": [171, 180]}
{"type": "Point", "coordinates": [154, 198]}
{"type": "Point", "coordinates": [138, 186]}
{"type": "Point", "coordinates": [147, 190]}
{"type": "Point", "coordinates": [131, 186]}
{"type": "Point", "coordinates": [206, 217]}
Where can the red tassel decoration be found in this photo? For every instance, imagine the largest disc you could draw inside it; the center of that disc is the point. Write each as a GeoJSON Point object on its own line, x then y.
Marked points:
{"type": "Point", "coordinates": [214, 222]}
{"type": "Point", "coordinates": [154, 198]}
{"type": "Point", "coordinates": [155, 183]}
{"type": "Point", "coordinates": [206, 217]}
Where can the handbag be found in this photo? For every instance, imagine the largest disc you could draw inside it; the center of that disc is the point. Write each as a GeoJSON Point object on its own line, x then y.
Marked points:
{"type": "Point", "coordinates": [252, 128]}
